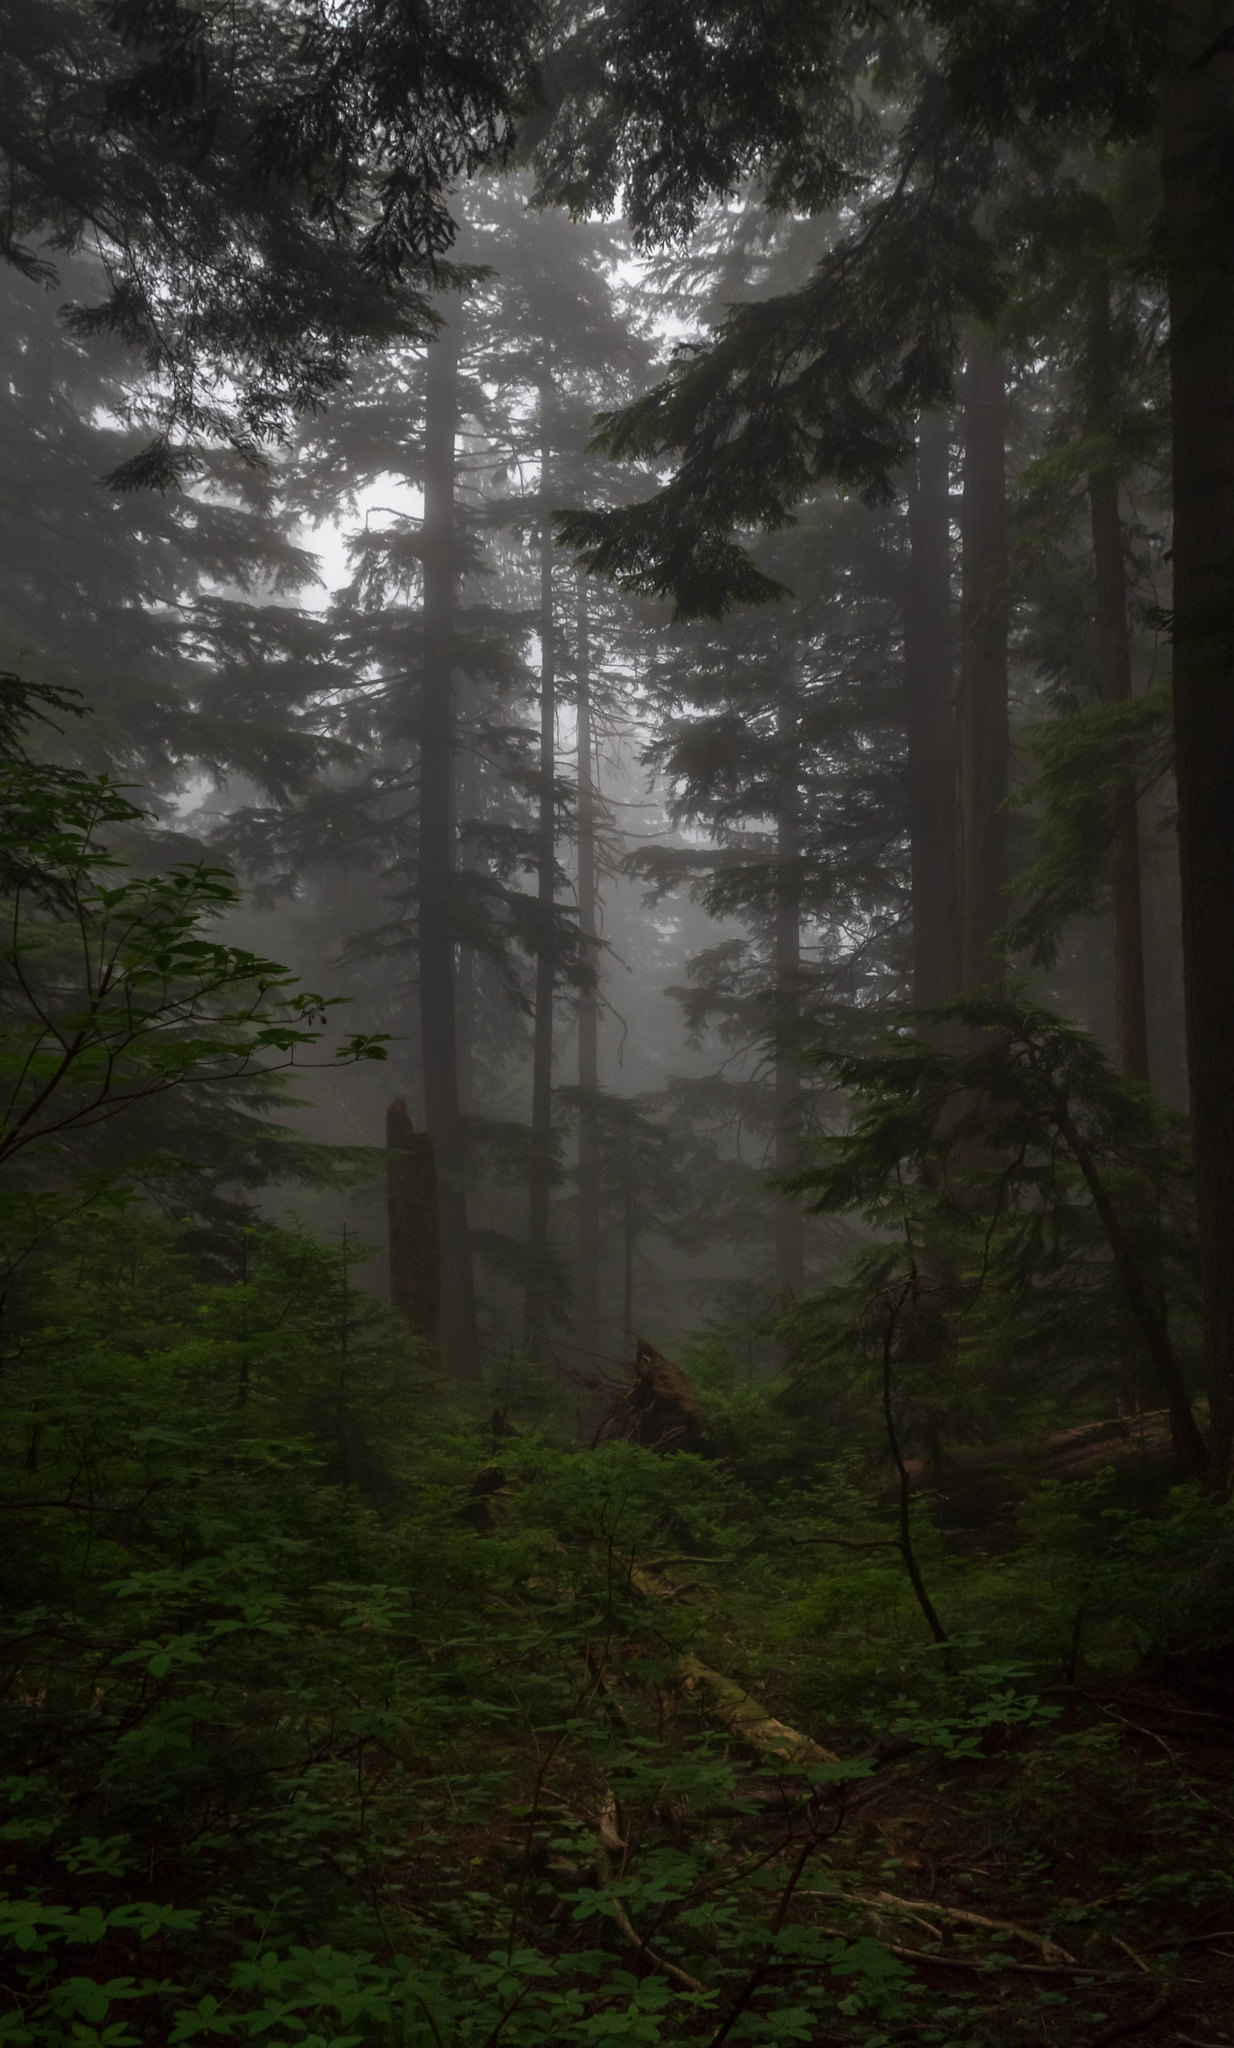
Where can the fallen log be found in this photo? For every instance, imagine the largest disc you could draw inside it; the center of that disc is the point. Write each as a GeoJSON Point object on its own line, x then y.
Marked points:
{"type": "Point", "coordinates": [748, 1718]}
{"type": "Point", "coordinates": [980, 1487]}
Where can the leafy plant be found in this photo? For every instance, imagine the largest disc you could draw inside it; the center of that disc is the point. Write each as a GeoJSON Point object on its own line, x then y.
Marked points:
{"type": "Point", "coordinates": [112, 988]}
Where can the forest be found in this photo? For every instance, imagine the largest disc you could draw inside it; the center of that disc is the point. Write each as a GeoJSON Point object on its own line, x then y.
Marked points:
{"type": "Point", "coordinates": [617, 1023]}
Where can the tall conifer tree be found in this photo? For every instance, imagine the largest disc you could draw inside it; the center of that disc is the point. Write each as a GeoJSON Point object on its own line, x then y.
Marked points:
{"type": "Point", "coordinates": [982, 718]}
{"type": "Point", "coordinates": [438, 1016]}
{"type": "Point", "coordinates": [930, 720]}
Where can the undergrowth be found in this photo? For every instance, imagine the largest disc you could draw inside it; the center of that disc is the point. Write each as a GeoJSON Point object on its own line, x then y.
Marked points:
{"type": "Point", "coordinates": [330, 1718]}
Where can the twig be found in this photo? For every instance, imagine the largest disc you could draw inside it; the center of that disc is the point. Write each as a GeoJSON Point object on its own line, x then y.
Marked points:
{"type": "Point", "coordinates": [983, 1966]}
{"type": "Point", "coordinates": [1053, 1951]}
{"type": "Point", "coordinates": [1128, 1950]}
{"type": "Point", "coordinates": [1118, 2028]}
{"type": "Point", "coordinates": [1218, 47]}
{"type": "Point", "coordinates": [765, 1961]}
{"type": "Point", "coordinates": [657, 1962]}
{"type": "Point", "coordinates": [881, 1786]}
{"type": "Point", "coordinates": [1136, 1729]}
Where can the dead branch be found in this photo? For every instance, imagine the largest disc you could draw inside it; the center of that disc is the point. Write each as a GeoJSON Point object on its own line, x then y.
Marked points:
{"type": "Point", "coordinates": [982, 1965]}
{"type": "Point", "coordinates": [611, 1841]}
{"type": "Point", "coordinates": [1051, 1950]}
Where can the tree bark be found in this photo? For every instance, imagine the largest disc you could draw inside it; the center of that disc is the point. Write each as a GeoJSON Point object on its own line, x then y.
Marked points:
{"type": "Point", "coordinates": [929, 680]}
{"type": "Point", "coordinates": [1198, 179]}
{"type": "Point", "coordinates": [1114, 659]}
{"type": "Point", "coordinates": [463, 803]}
{"type": "Point", "coordinates": [536, 1306]}
{"type": "Point", "coordinates": [411, 1208]}
{"type": "Point", "coordinates": [587, 1247]}
{"type": "Point", "coordinates": [982, 722]}
{"type": "Point", "coordinates": [438, 1039]}
{"type": "Point", "coordinates": [789, 1222]}
{"type": "Point", "coordinates": [628, 1238]}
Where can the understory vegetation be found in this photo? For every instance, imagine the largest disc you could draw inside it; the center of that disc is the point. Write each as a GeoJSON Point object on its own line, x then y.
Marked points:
{"type": "Point", "coordinates": [334, 1714]}
{"type": "Point", "coordinates": [337, 1710]}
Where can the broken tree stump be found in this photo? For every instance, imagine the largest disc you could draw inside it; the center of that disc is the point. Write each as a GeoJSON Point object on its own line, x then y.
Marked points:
{"type": "Point", "coordinates": [657, 1408]}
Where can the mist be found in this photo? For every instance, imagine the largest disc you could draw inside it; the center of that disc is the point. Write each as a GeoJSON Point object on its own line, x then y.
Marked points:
{"type": "Point", "coordinates": [616, 991]}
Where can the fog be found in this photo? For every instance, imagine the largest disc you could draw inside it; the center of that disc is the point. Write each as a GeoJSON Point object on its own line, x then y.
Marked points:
{"type": "Point", "coordinates": [729, 892]}
{"type": "Point", "coordinates": [616, 1006]}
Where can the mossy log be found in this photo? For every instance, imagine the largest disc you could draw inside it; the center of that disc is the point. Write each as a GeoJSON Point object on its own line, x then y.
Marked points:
{"type": "Point", "coordinates": [747, 1718]}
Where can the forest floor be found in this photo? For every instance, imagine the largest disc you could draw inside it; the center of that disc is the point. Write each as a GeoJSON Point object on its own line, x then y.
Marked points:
{"type": "Point", "coordinates": [571, 1748]}
{"type": "Point", "coordinates": [964, 1891]}
{"type": "Point", "coordinates": [1066, 1883]}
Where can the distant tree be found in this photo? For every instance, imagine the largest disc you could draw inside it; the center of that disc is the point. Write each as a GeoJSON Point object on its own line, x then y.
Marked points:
{"type": "Point", "coordinates": [557, 343]}
{"type": "Point", "coordinates": [1094, 301]}
{"type": "Point", "coordinates": [781, 741]}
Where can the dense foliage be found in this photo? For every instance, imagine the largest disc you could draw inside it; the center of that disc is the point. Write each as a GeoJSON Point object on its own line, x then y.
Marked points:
{"type": "Point", "coordinates": [319, 1727]}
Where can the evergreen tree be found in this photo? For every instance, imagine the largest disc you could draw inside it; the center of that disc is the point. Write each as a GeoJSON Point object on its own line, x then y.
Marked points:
{"type": "Point", "coordinates": [588, 1224]}
{"type": "Point", "coordinates": [779, 735]}
{"type": "Point", "coordinates": [434, 876]}
{"type": "Point", "coordinates": [1093, 301]}
{"type": "Point", "coordinates": [496, 801]}
{"type": "Point", "coordinates": [171, 614]}
{"type": "Point", "coordinates": [265, 187]}
{"type": "Point", "coordinates": [1198, 192]}
{"type": "Point", "coordinates": [559, 346]}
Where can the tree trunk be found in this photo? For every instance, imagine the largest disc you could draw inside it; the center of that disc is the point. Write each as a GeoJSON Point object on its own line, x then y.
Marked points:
{"type": "Point", "coordinates": [587, 1276]}
{"type": "Point", "coordinates": [1198, 178]}
{"type": "Point", "coordinates": [789, 1222]}
{"type": "Point", "coordinates": [411, 1208]}
{"type": "Point", "coordinates": [438, 1042]}
{"type": "Point", "coordinates": [463, 805]}
{"type": "Point", "coordinates": [628, 1237]}
{"type": "Point", "coordinates": [1114, 657]}
{"type": "Point", "coordinates": [465, 1007]}
{"type": "Point", "coordinates": [929, 679]}
{"type": "Point", "coordinates": [982, 723]}
{"type": "Point", "coordinates": [536, 1307]}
